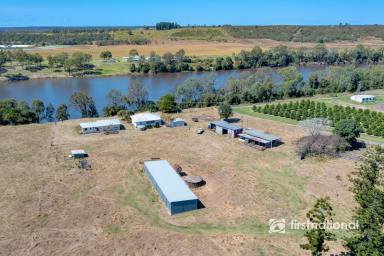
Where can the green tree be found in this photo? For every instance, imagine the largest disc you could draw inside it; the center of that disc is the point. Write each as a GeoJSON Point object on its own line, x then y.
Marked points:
{"type": "Point", "coordinates": [137, 94]}
{"type": "Point", "coordinates": [38, 108]}
{"type": "Point", "coordinates": [321, 214]}
{"type": "Point", "coordinates": [84, 104]}
{"type": "Point", "coordinates": [62, 112]}
{"type": "Point", "coordinates": [106, 55]}
{"type": "Point", "coordinates": [133, 52]}
{"type": "Point", "coordinates": [3, 58]}
{"type": "Point", "coordinates": [347, 129]}
{"type": "Point", "coordinates": [167, 104]}
{"type": "Point", "coordinates": [225, 110]}
{"type": "Point", "coordinates": [49, 113]}
{"type": "Point", "coordinates": [368, 239]}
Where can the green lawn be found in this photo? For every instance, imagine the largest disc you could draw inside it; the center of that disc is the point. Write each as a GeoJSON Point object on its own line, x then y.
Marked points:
{"type": "Point", "coordinates": [247, 110]}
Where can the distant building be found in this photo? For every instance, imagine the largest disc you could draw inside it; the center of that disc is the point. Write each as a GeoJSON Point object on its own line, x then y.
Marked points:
{"type": "Point", "coordinates": [79, 153]}
{"type": "Point", "coordinates": [259, 138]}
{"type": "Point", "coordinates": [134, 58]}
{"type": "Point", "coordinates": [222, 127]}
{"type": "Point", "coordinates": [101, 126]}
{"type": "Point", "coordinates": [13, 46]}
{"type": "Point", "coordinates": [177, 122]}
{"type": "Point", "coordinates": [146, 120]}
{"type": "Point", "coordinates": [363, 98]}
{"type": "Point", "coordinates": [173, 191]}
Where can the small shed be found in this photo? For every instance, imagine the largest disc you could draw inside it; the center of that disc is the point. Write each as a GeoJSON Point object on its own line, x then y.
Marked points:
{"type": "Point", "coordinates": [177, 122]}
{"type": "Point", "coordinates": [78, 153]}
{"type": "Point", "coordinates": [363, 98]}
{"type": "Point", "coordinates": [175, 194]}
{"type": "Point", "coordinates": [223, 127]}
{"type": "Point", "coordinates": [101, 126]}
{"type": "Point", "coordinates": [259, 138]}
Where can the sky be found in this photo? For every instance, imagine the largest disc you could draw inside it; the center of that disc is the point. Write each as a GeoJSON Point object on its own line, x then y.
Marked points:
{"type": "Point", "coordinates": [21, 13]}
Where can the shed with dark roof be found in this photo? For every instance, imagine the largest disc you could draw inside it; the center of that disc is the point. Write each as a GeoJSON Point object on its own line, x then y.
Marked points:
{"type": "Point", "coordinates": [223, 127]}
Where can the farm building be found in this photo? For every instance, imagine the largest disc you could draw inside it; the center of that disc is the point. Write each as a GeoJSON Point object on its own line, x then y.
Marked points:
{"type": "Point", "coordinates": [146, 120]}
{"type": "Point", "coordinates": [78, 153]}
{"type": "Point", "coordinates": [363, 98]}
{"type": "Point", "coordinates": [259, 138]}
{"type": "Point", "coordinates": [177, 122]}
{"type": "Point", "coordinates": [101, 126]}
{"type": "Point", "coordinates": [222, 127]}
{"type": "Point", "coordinates": [175, 194]}
{"type": "Point", "coordinates": [134, 58]}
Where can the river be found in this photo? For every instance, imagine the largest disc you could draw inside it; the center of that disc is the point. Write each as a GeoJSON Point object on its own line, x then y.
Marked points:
{"type": "Point", "coordinates": [59, 90]}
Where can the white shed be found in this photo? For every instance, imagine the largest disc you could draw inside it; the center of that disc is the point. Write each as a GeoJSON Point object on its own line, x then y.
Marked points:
{"type": "Point", "coordinates": [146, 120]}
{"type": "Point", "coordinates": [101, 126]}
{"type": "Point", "coordinates": [363, 98]}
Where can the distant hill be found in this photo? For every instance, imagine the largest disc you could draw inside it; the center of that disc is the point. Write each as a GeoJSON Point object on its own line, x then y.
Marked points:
{"type": "Point", "coordinates": [145, 35]}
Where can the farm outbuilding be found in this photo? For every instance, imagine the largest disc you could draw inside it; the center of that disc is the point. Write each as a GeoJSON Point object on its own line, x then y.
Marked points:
{"type": "Point", "coordinates": [177, 122]}
{"type": "Point", "coordinates": [78, 153]}
{"type": "Point", "coordinates": [175, 194]}
{"type": "Point", "coordinates": [146, 120]}
{"type": "Point", "coordinates": [222, 127]}
{"type": "Point", "coordinates": [101, 126]}
{"type": "Point", "coordinates": [363, 98]}
{"type": "Point", "coordinates": [259, 138]}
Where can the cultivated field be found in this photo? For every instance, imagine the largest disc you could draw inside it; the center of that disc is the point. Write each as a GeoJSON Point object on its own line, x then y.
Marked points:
{"type": "Point", "coordinates": [200, 47]}
{"type": "Point", "coordinates": [50, 207]}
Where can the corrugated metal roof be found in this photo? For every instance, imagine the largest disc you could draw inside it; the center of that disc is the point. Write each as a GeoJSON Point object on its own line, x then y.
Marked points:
{"type": "Point", "coordinates": [178, 120]}
{"type": "Point", "coordinates": [226, 125]}
{"type": "Point", "coordinates": [262, 135]}
{"type": "Point", "coordinates": [145, 117]}
{"type": "Point", "coordinates": [100, 123]}
{"type": "Point", "coordinates": [78, 152]}
{"type": "Point", "coordinates": [170, 183]}
{"type": "Point", "coordinates": [246, 136]}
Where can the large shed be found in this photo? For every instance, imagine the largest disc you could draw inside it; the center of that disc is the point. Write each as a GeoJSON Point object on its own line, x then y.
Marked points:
{"type": "Point", "coordinates": [173, 191]}
{"type": "Point", "coordinates": [255, 137]}
{"type": "Point", "coordinates": [223, 127]}
{"type": "Point", "coordinates": [101, 126]}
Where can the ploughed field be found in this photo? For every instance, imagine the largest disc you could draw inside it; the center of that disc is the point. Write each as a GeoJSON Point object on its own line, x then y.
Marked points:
{"type": "Point", "coordinates": [200, 47]}
{"type": "Point", "coordinates": [50, 207]}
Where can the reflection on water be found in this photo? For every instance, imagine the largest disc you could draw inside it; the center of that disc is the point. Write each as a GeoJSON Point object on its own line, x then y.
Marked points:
{"type": "Point", "coordinates": [58, 90]}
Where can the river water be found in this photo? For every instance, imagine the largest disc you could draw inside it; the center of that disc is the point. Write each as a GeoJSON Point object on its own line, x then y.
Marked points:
{"type": "Point", "coordinates": [59, 90]}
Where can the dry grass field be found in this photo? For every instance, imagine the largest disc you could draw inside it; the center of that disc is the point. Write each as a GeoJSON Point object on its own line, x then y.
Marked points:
{"type": "Point", "coordinates": [200, 47]}
{"type": "Point", "coordinates": [48, 206]}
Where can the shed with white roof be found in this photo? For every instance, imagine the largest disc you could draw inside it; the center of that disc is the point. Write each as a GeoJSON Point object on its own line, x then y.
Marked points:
{"type": "Point", "coordinates": [101, 126]}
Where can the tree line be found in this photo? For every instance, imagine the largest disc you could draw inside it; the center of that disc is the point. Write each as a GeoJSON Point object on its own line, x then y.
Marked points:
{"type": "Point", "coordinates": [167, 25]}
{"type": "Point", "coordinates": [280, 56]}
{"type": "Point", "coordinates": [262, 86]}
{"type": "Point", "coordinates": [74, 64]}
{"type": "Point", "coordinates": [370, 122]}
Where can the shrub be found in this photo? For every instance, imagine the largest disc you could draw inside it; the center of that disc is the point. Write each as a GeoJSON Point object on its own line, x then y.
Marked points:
{"type": "Point", "coordinates": [320, 145]}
